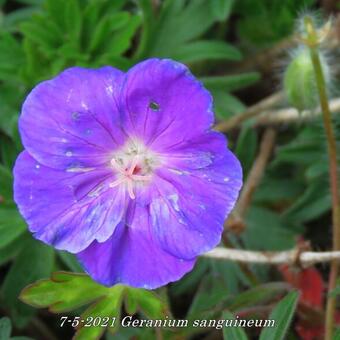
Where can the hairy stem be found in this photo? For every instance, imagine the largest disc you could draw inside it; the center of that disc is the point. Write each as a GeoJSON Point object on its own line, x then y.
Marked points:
{"type": "Point", "coordinates": [312, 38]}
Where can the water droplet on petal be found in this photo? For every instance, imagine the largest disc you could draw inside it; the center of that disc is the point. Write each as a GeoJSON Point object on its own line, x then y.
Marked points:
{"type": "Point", "coordinates": [68, 153]}
{"type": "Point", "coordinates": [78, 168]}
{"type": "Point", "coordinates": [226, 179]}
{"type": "Point", "coordinates": [75, 115]}
{"type": "Point", "coordinates": [37, 166]}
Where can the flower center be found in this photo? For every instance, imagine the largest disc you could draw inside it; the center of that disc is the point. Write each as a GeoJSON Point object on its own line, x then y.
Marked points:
{"type": "Point", "coordinates": [133, 165]}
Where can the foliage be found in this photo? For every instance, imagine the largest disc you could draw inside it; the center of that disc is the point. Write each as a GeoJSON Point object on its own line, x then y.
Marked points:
{"type": "Point", "coordinates": [216, 39]}
{"type": "Point", "coordinates": [6, 330]}
{"type": "Point", "coordinates": [65, 292]}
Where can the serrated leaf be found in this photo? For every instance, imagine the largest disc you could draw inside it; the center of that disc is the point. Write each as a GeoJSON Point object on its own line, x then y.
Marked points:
{"type": "Point", "coordinates": [103, 308]}
{"type": "Point", "coordinates": [67, 291]}
{"type": "Point", "coordinates": [282, 314]}
{"type": "Point", "coordinates": [63, 292]}
{"type": "Point", "coordinates": [146, 301]}
{"type": "Point", "coordinates": [230, 333]}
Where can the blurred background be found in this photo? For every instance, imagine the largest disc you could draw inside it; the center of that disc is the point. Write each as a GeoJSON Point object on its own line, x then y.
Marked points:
{"type": "Point", "coordinates": [239, 50]}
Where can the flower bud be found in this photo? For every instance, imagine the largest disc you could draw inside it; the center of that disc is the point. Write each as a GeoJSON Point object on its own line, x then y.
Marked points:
{"type": "Point", "coordinates": [299, 82]}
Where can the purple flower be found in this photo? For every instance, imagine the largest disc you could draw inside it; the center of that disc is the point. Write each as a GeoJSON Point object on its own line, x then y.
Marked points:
{"type": "Point", "coordinates": [124, 171]}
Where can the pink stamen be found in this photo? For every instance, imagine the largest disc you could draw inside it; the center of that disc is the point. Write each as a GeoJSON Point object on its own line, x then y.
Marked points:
{"type": "Point", "coordinates": [128, 175]}
{"type": "Point", "coordinates": [117, 182]}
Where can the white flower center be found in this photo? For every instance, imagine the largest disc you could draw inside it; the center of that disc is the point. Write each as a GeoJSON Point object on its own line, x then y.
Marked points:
{"type": "Point", "coordinates": [133, 165]}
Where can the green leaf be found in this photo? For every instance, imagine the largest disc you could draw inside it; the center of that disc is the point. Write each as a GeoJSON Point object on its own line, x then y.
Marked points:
{"type": "Point", "coordinates": [12, 249]}
{"type": "Point", "coordinates": [315, 201]}
{"type": "Point", "coordinates": [231, 83]}
{"type": "Point", "coordinates": [8, 151]}
{"type": "Point", "coordinates": [12, 20]}
{"type": "Point", "coordinates": [257, 295]}
{"type": "Point", "coordinates": [226, 105]}
{"type": "Point", "coordinates": [193, 18]}
{"type": "Point", "coordinates": [11, 57]}
{"type": "Point", "coordinates": [105, 28]}
{"type": "Point", "coordinates": [221, 9]}
{"type": "Point", "coordinates": [5, 328]}
{"type": "Point", "coordinates": [11, 225]}
{"type": "Point", "coordinates": [231, 333]}
{"type": "Point", "coordinates": [206, 50]}
{"type": "Point", "coordinates": [336, 335]}
{"type": "Point", "coordinates": [31, 2]}
{"type": "Point", "coordinates": [55, 10]}
{"type": "Point", "coordinates": [68, 291]}
{"type": "Point", "coordinates": [210, 294]}
{"type": "Point", "coordinates": [120, 40]}
{"type": "Point", "coordinates": [275, 230]}
{"type": "Point", "coordinates": [6, 179]}
{"type": "Point", "coordinates": [282, 314]}
{"type": "Point", "coordinates": [63, 292]}
{"type": "Point", "coordinates": [104, 307]}
{"type": "Point", "coordinates": [43, 32]}
{"type": "Point", "coordinates": [70, 261]}
{"type": "Point", "coordinates": [278, 189]}
{"type": "Point", "coordinates": [34, 261]}
{"type": "Point", "coordinates": [190, 280]}
{"type": "Point", "coordinates": [246, 147]}
{"type": "Point", "coordinates": [146, 301]}
{"type": "Point", "coordinates": [73, 18]}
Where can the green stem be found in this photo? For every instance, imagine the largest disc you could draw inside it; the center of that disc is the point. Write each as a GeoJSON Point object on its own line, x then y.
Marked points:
{"type": "Point", "coordinates": [333, 175]}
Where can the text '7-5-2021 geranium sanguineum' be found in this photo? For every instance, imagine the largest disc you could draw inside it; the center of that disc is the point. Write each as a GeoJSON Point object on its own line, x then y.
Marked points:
{"type": "Point", "coordinates": [123, 170]}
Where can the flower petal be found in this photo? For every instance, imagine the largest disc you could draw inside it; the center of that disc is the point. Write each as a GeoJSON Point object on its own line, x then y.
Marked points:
{"type": "Point", "coordinates": [164, 104]}
{"type": "Point", "coordinates": [69, 120]}
{"type": "Point", "coordinates": [133, 257]}
{"type": "Point", "coordinates": [188, 219]}
{"type": "Point", "coordinates": [67, 210]}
